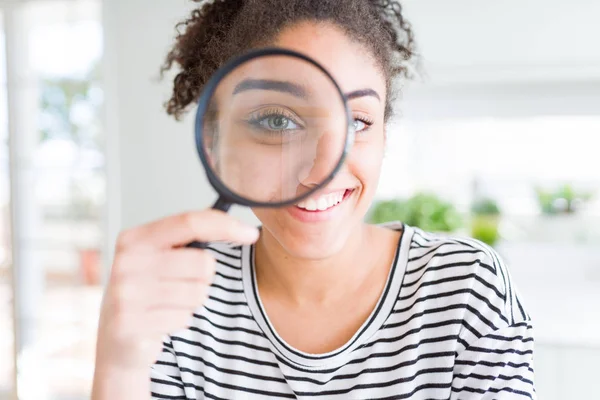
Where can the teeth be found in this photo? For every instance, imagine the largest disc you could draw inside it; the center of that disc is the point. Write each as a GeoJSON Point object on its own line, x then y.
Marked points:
{"type": "Point", "coordinates": [323, 202]}
{"type": "Point", "coordinates": [311, 205]}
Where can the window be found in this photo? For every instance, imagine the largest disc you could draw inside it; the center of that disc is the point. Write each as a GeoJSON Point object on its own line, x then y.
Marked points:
{"type": "Point", "coordinates": [57, 170]}
{"type": "Point", "coordinates": [6, 294]}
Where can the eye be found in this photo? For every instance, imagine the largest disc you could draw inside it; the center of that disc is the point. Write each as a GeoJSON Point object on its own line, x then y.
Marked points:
{"type": "Point", "coordinates": [274, 126]}
{"type": "Point", "coordinates": [277, 122]}
{"type": "Point", "coordinates": [359, 125]}
{"type": "Point", "coordinates": [274, 120]}
{"type": "Point", "coordinates": [362, 124]}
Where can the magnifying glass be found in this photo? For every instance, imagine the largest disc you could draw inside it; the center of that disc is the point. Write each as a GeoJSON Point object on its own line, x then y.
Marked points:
{"type": "Point", "coordinates": [272, 128]}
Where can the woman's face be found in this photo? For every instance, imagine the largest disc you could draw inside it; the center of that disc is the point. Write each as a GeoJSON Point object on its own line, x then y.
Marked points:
{"type": "Point", "coordinates": [306, 230]}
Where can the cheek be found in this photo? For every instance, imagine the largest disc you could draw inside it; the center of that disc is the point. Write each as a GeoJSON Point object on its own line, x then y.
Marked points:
{"type": "Point", "coordinates": [364, 162]}
{"type": "Point", "coordinates": [257, 173]}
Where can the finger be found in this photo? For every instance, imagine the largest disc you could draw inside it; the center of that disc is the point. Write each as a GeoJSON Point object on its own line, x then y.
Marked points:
{"type": "Point", "coordinates": [187, 264]}
{"type": "Point", "coordinates": [178, 230]}
{"type": "Point", "coordinates": [169, 321]}
{"type": "Point", "coordinates": [181, 264]}
{"type": "Point", "coordinates": [155, 324]}
{"type": "Point", "coordinates": [184, 295]}
{"type": "Point", "coordinates": [167, 294]}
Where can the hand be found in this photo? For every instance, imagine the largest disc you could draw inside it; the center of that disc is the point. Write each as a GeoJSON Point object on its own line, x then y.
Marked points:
{"type": "Point", "coordinates": [156, 284]}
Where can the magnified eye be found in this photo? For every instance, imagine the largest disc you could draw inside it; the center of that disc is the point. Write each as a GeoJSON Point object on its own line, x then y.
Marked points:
{"type": "Point", "coordinates": [274, 120]}
{"type": "Point", "coordinates": [278, 123]}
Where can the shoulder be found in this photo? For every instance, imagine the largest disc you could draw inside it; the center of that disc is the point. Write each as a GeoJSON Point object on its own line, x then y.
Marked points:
{"type": "Point", "coordinates": [467, 265]}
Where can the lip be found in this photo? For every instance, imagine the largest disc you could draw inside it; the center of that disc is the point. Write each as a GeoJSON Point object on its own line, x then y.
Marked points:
{"type": "Point", "coordinates": [317, 215]}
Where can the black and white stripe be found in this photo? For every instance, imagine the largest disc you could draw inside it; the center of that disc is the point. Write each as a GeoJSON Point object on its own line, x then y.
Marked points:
{"type": "Point", "coordinates": [449, 325]}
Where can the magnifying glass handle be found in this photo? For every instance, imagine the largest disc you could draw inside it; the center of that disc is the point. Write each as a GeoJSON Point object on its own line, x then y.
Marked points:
{"type": "Point", "coordinates": [221, 204]}
{"type": "Point", "coordinates": [197, 245]}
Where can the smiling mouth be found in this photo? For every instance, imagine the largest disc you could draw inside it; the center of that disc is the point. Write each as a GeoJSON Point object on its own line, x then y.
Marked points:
{"type": "Point", "coordinates": [324, 202]}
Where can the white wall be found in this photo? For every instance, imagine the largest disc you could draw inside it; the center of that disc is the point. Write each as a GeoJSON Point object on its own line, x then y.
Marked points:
{"type": "Point", "coordinates": [158, 170]}
{"type": "Point", "coordinates": [153, 169]}
{"type": "Point", "coordinates": [465, 41]}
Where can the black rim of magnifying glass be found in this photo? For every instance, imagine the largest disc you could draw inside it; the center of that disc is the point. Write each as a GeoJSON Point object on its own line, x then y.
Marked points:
{"type": "Point", "coordinates": [226, 196]}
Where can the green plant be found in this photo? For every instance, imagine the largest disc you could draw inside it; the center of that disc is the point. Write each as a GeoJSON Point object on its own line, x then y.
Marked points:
{"type": "Point", "coordinates": [563, 200]}
{"type": "Point", "coordinates": [485, 220]}
{"type": "Point", "coordinates": [424, 210]}
{"type": "Point", "coordinates": [486, 228]}
{"type": "Point", "coordinates": [485, 206]}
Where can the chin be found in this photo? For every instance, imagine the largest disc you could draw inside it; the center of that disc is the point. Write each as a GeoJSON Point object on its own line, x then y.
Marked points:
{"type": "Point", "coordinates": [316, 228]}
{"type": "Point", "coordinates": [310, 241]}
{"type": "Point", "coordinates": [313, 246]}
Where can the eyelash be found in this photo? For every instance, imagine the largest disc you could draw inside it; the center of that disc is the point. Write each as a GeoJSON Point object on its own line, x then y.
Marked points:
{"type": "Point", "coordinates": [365, 120]}
{"type": "Point", "coordinates": [271, 112]}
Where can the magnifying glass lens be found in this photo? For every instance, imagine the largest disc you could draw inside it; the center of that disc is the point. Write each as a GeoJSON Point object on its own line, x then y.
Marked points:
{"type": "Point", "coordinates": [275, 128]}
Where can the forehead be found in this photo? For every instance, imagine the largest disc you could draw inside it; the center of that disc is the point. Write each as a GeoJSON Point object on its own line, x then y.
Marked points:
{"type": "Point", "coordinates": [278, 79]}
{"type": "Point", "coordinates": [350, 63]}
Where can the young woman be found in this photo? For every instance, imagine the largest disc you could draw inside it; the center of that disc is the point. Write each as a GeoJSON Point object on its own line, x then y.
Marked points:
{"type": "Point", "coordinates": [327, 307]}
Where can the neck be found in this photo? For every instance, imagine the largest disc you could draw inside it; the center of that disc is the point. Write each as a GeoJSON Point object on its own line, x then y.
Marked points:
{"type": "Point", "coordinates": [304, 281]}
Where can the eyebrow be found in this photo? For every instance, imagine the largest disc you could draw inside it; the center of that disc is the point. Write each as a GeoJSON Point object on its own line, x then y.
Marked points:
{"type": "Point", "coordinates": [267, 84]}
{"type": "Point", "coordinates": [292, 88]}
{"type": "Point", "coordinates": [362, 93]}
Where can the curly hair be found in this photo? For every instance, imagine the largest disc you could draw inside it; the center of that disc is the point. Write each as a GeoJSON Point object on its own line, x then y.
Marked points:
{"type": "Point", "coordinates": [220, 29]}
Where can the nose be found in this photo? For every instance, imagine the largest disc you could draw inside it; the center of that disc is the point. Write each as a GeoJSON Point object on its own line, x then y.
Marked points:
{"type": "Point", "coordinates": [328, 150]}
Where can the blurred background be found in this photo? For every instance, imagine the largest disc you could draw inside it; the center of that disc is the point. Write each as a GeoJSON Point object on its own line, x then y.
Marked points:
{"type": "Point", "coordinates": [498, 139]}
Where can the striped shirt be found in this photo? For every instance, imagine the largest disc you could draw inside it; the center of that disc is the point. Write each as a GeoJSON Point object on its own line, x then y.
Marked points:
{"type": "Point", "coordinates": [448, 325]}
